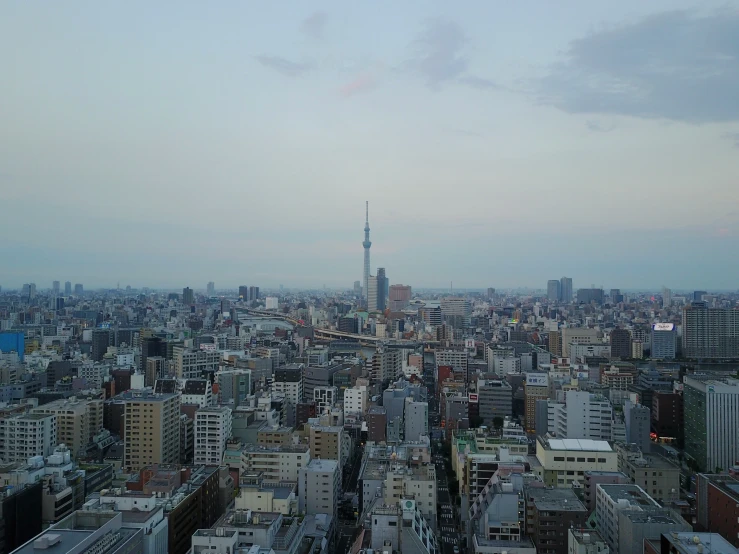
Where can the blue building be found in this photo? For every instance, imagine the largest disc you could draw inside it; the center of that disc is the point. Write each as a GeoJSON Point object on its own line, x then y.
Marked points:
{"type": "Point", "coordinates": [664, 341]}
{"type": "Point", "coordinates": [13, 342]}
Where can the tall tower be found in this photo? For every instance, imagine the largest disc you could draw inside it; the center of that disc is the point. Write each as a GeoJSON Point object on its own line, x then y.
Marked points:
{"type": "Point", "coordinates": [366, 245]}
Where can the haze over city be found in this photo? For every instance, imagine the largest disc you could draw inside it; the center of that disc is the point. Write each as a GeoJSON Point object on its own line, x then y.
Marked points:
{"type": "Point", "coordinates": [169, 144]}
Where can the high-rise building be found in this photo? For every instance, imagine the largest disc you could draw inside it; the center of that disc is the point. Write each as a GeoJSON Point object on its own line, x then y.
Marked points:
{"type": "Point", "coordinates": [212, 430]}
{"type": "Point", "coordinates": [491, 293]}
{"type": "Point", "coordinates": [698, 295]}
{"type": "Point", "coordinates": [372, 294]}
{"type": "Point", "coordinates": [382, 289]}
{"type": "Point", "coordinates": [101, 340]}
{"type": "Point", "coordinates": [319, 487]}
{"type": "Point", "coordinates": [188, 299]}
{"type": "Point", "coordinates": [28, 435]}
{"type": "Point", "coordinates": [582, 415]}
{"type": "Point", "coordinates": [620, 343]}
{"type": "Point", "coordinates": [55, 287]}
{"type": "Point", "coordinates": [554, 292]}
{"type": "Point", "coordinates": [78, 421]}
{"type": "Point", "coordinates": [67, 288]}
{"type": "Point", "coordinates": [210, 288]}
{"type": "Point", "coordinates": [565, 291]}
{"type": "Point", "coordinates": [616, 296]}
{"type": "Point", "coordinates": [366, 245]}
{"type": "Point", "coordinates": [710, 332]}
{"type": "Point", "coordinates": [587, 296]}
{"type": "Point", "coordinates": [664, 341]}
{"type": "Point", "coordinates": [152, 422]}
{"type": "Point", "coordinates": [253, 293]}
{"type": "Point", "coordinates": [536, 387]}
{"type": "Point", "coordinates": [638, 419]}
{"type": "Point", "coordinates": [456, 312]}
{"type": "Point", "coordinates": [399, 297]}
{"type": "Point", "coordinates": [357, 287]}
{"type": "Point", "coordinates": [78, 289]}
{"type": "Point", "coordinates": [244, 293]}
{"type": "Point", "coordinates": [666, 297]}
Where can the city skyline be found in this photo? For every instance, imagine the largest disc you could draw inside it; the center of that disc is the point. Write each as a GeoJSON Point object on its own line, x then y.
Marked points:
{"type": "Point", "coordinates": [482, 151]}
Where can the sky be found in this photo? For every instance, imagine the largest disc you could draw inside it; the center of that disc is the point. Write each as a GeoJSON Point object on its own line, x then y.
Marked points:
{"type": "Point", "coordinates": [502, 144]}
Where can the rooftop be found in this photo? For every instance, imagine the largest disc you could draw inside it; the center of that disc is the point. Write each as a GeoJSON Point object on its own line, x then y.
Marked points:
{"type": "Point", "coordinates": [588, 445]}
{"type": "Point", "coordinates": [555, 500]}
{"type": "Point", "coordinates": [146, 396]}
{"type": "Point", "coordinates": [634, 494]}
{"type": "Point", "coordinates": [712, 543]}
{"type": "Point", "coordinates": [322, 465]}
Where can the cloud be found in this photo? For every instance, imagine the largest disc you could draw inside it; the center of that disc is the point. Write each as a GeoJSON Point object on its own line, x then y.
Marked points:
{"type": "Point", "coordinates": [679, 66]}
{"type": "Point", "coordinates": [284, 66]}
{"type": "Point", "coordinates": [438, 56]}
{"type": "Point", "coordinates": [314, 25]}
{"type": "Point", "coordinates": [479, 82]}
{"type": "Point", "coordinates": [361, 84]}
{"type": "Point", "coordinates": [598, 127]}
{"type": "Point", "coordinates": [733, 137]}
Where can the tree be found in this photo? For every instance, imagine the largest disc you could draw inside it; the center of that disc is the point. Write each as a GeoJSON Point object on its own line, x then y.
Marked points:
{"type": "Point", "coordinates": [498, 422]}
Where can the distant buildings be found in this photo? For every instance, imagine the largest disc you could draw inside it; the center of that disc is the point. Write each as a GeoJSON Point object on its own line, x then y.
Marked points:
{"type": "Point", "coordinates": [554, 293]}
{"type": "Point", "coordinates": [711, 333]}
{"type": "Point", "coordinates": [399, 297]}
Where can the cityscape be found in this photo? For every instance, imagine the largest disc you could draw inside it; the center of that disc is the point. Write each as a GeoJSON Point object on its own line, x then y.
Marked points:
{"type": "Point", "coordinates": [369, 278]}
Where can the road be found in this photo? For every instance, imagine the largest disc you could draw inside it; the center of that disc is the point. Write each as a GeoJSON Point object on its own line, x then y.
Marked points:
{"type": "Point", "coordinates": [447, 522]}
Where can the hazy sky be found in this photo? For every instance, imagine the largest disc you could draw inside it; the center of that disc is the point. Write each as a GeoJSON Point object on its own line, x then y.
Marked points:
{"type": "Point", "coordinates": [498, 143]}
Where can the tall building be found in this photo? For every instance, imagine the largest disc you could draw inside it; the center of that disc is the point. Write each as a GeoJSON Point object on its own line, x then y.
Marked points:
{"type": "Point", "coordinates": [620, 343]}
{"type": "Point", "coordinates": [253, 293]}
{"type": "Point", "coordinates": [288, 381]}
{"type": "Point", "coordinates": [382, 289]}
{"type": "Point", "coordinates": [554, 290]}
{"type": "Point", "coordinates": [26, 436]}
{"type": "Point", "coordinates": [587, 296]}
{"type": "Point", "coordinates": [666, 297]}
{"type": "Point", "coordinates": [55, 287]}
{"type": "Point", "coordinates": [101, 340]}
{"type": "Point", "coordinates": [710, 332]}
{"type": "Point", "coordinates": [78, 289]}
{"type": "Point", "coordinates": [457, 312]}
{"type": "Point", "coordinates": [638, 421]}
{"type": "Point", "coordinates": [536, 387]}
{"type": "Point", "coordinates": [399, 297]}
{"type": "Point", "coordinates": [67, 288]}
{"type": "Point", "coordinates": [78, 421]}
{"type": "Point", "coordinates": [212, 429]}
{"type": "Point", "coordinates": [188, 299]}
{"type": "Point", "coordinates": [582, 415]}
{"type": "Point", "coordinates": [664, 341]}
{"type": "Point", "coordinates": [366, 244]}
{"type": "Point", "coordinates": [372, 294]}
{"type": "Point", "coordinates": [319, 486]}
{"type": "Point", "coordinates": [565, 290]}
{"type": "Point", "coordinates": [244, 292]}
{"type": "Point", "coordinates": [210, 288]}
{"type": "Point", "coordinates": [698, 295]}
{"type": "Point", "coordinates": [711, 418]}
{"type": "Point", "coordinates": [152, 422]}
{"type": "Point", "coordinates": [616, 296]}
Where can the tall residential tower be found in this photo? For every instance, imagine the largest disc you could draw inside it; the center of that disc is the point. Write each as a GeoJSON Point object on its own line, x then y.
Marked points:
{"type": "Point", "coordinates": [366, 244]}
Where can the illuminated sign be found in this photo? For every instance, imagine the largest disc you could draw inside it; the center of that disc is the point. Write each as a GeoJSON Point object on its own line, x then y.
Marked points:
{"type": "Point", "coordinates": [208, 347]}
{"type": "Point", "coordinates": [537, 379]}
{"type": "Point", "coordinates": [664, 326]}
{"type": "Point", "coordinates": [473, 398]}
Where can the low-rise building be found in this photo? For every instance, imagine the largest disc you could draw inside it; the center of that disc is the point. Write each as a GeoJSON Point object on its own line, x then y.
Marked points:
{"type": "Point", "coordinates": [565, 461]}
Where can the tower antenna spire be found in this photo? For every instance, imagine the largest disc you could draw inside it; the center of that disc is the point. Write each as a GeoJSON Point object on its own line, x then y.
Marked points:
{"type": "Point", "coordinates": [366, 219]}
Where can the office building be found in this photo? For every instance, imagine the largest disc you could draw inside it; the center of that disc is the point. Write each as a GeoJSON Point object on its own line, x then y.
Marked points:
{"type": "Point", "coordinates": [253, 293]}
{"type": "Point", "coordinates": [666, 297]}
{"type": "Point", "coordinates": [698, 295]}
{"type": "Point", "coordinates": [711, 408]}
{"type": "Point", "coordinates": [191, 364]}
{"type": "Point", "coordinates": [372, 294]}
{"type": "Point", "coordinates": [416, 419]}
{"type": "Point", "coordinates": [152, 428]}
{"type": "Point", "coordinates": [565, 289]}
{"type": "Point", "coordinates": [101, 340]}
{"type": "Point", "coordinates": [377, 424]}
{"type": "Point", "coordinates": [589, 296]}
{"type": "Point", "coordinates": [576, 335]}
{"type": "Point", "coordinates": [25, 436]}
{"type": "Point", "coordinates": [689, 542]}
{"type": "Point", "coordinates": [55, 287]}
{"type": "Point", "coordinates": [494, 400]}
{"type": "Point", "coordinates": [152, 347]}
{"type": "Point", "coordinates": [536, 387]}
{"type": "Point", "coordinates": [325, 398]}
{"type": "Point", "coordinates": [212, 431]}
{"type": "Point", "coordinates": [637, 419]}
{"type": "Point", "coordinates": [620, 343]}
{"type": "Point", "coordinates": [637, 527]}
{"type": "Point", "coordinates": [616, 296]}
{"type": "Point", "coordinates": [717, 505]}
{"type": "Point", "coordinates": [244, 293]}
{"type": "Point", "coordinates": [355, 401]}
{"type": "Point", "coordinates": [188, 297]}
{"type": "Point", "coordinates": [326, 442]}
{"type": "Point", "coordinates": [386, 365]}
{"type": "Point", "coordinates": [288, 382]}
{"type": "Point", "coordinates": [156, 368]}
{"type": "Point", "coordinates": [319, 487]}
{"type": "Point", "coordinates": [617, 375]}
{"type": "Point", "coordinates": [664, 341]}
{"type": "Point", "coordinates": [67, 288]}
{"type": "Point", "coordinates": [653, 473]}
{"type": "Point", "coordinates": [235, 385]}
{"type": "Point", "coordinates": [710, 333]}
{"type": "Point", "coordinates": [553, 290]}
{"type": "Point", "coordinates": [610, 500]}
{"type": "Point", "coordinates": [667, 414]}
{"type": "Point", "coordinates": [78, 421]}
{"type": "Point", "coordinates": [456, 312]}
{"type": "Point", "coordinates": [583, 415]}
{"type": "Point", "coordinates": [13, 342]}
{"type": "Point", "coordinates": [457, 359]}
{"type": "Point", "coordinates": [210, 288]}
{"type": "Point", "coordinates": [382, 289]}
{"type": "Point", "coordinates": [78, 289]}
{"type": "Point", "coordinates": [399, 297]}
{"type": "Point", "coordinates": [318, 376]}
{"type": "Point", "coordinates": [565, 461]}
{"type": "Point", "coordinates": [595, 478]}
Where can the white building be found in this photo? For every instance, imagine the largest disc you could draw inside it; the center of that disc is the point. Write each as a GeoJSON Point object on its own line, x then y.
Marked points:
{"type": "Point", "coordinates": [197, 391]}
{"type": "Point", "coordinates": [456, 359]}
{"type": "Point", "coordinates": [190, 364]}
{"type": "Point", "coordinates": [26, 436]}
{"type": "Point", "coordinates": [610, 500]}
{"type": "Point", "coordinates": [585, 541]}
{"type": "Point", "coordinates": [278, 463]}
{"type": "Point", "coordinates": [577, 335]}
{"type": "Point", "coordinates": [94, 373]}
{"type": "Point", "coordinates": [271, 303]}
{"type": "Point", "coordinates": [212, 430]}
{"type": "Point", "coordinates": [355, 401]}
{"type": "Point", "coordinates": [145, 512]}
{"type": "Point", "coordinates": [582, 415]}
{"type": "Point", "coordinates": [325, 398]}
{"type": "Point", "coordinates": [319, 487]}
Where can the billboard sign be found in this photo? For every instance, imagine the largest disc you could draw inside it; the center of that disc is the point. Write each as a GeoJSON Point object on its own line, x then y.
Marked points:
{"type": "Point", "coordinates": [208, 347]}
{"type": "Point", "coordinates": [470, 344]}
{"type": "Point", "coordinates": [537, 379]}
{"type": "Point", "coordinates": [473, 397]}
{"type": "Point", "coordinates": [664, 326]}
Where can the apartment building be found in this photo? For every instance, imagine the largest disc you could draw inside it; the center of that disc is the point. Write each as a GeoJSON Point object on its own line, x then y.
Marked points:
{"type": "Point", "coordinates": [152, 428]}
{"type": "Point", "coordinates": [582, 415]}
{"type": "Point", "coordinates": [78, 421]}
{"type": "Point", "coordinates": [190, 364]}
{"type": "Point", "coordinates": [326, 442]}
{"type": "Point", "coordinates": [355, 401]}
{"type": "Point", "coordinates": [26, 436]}
{"type": "Point", "coordinates": [213, 426]}
{"type": "Point", "coordinates": [319, 487]}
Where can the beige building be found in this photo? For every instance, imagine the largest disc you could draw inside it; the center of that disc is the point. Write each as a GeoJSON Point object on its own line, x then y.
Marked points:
{"type": "Point", "coordinates": [564, 461]}
{"type": "Point", "coordinates": [653, 473]}
{"type": "Point", "coordinates": [325, 442]}
{"type": "Point", "coordinates": [258, 496]}
{"type": "Point", "coordinates": [276, 464]}
{"type": "Point", "coordinates": [78, 421]}
{"type": "Point", "coordinates": [536, 387]}
{"type": "Point", "coordinates": [576, 335]}
{"type": "Point", "coordinates": [275, 436]}
{"type": "Point", "coordinates": [152, 422]}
